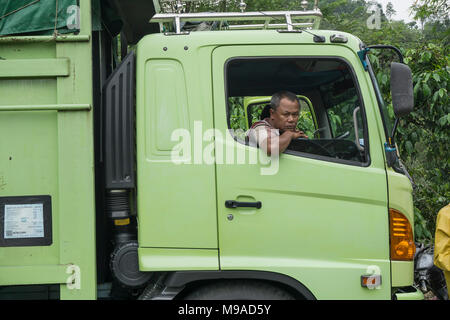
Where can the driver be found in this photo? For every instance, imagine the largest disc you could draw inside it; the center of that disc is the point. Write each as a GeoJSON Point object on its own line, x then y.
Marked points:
{"type": "Point", "coordinates": [274, 133]}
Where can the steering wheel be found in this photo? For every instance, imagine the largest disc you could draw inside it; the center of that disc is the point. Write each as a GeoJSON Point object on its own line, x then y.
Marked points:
{"type": "Point", "coordinates": [340, 137]}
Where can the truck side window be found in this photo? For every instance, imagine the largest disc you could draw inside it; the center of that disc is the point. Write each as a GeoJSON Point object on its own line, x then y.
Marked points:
{"type": "Point", "coordinates": [331, 109]}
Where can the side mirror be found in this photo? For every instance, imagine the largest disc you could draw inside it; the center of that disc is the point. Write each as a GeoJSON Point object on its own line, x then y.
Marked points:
{"type": "Point", "coordinates": [401, 89]}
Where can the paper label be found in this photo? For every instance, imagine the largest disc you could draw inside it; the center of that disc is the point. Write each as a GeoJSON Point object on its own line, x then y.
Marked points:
{"type": "Point", "coordinates": [24, 221]}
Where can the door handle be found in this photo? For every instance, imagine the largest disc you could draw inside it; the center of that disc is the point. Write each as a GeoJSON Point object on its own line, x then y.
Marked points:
{"type": "Point", "coordinates": [232, 204]}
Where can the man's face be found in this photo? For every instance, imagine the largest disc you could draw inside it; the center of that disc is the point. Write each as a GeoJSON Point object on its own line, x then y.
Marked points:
{"type": "Point", "coordinates": [286, 116]}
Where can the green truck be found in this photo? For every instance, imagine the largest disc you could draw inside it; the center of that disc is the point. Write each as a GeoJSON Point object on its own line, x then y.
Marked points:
{"type": "Point", "coordinates": [125, 172]}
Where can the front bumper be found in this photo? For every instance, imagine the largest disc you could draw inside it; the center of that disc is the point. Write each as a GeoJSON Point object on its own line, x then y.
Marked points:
{"type": "Point", "coordinates": [407, 293]}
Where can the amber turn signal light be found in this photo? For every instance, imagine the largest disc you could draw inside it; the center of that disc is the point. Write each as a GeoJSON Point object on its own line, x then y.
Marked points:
{"type": "Point", "coordinates": [122, 222]}
{"type": "Point", "coordinates": [402, 238]}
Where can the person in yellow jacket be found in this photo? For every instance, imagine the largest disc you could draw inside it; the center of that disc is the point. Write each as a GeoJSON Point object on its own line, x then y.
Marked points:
{"type": "Point", "coordinates": [442, 243]}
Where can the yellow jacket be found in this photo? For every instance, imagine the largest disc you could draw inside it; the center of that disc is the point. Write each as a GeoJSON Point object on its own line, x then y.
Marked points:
{"type": "Point", "coordinates": [442, 243]}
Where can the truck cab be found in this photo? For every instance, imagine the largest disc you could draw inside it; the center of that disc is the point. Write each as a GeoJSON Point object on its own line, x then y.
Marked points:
{"type": "Point", "coordinates": [183, 206]}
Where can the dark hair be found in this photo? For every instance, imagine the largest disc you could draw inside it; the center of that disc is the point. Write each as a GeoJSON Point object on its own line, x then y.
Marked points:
{"type": "Point", "coordinates": [266, 112]}
{"type": "Point", "coordinates": [276, 98]}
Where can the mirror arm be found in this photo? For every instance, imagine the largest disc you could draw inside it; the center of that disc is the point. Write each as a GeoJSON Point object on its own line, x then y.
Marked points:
{"type": "Point", "coordinates": [390, 147]}
{"type": "Point", "coordinates": [397, 51]}
{"type": "Point", "coordinates": [363, 53]}
{"type": "Point", "coordinates": [394, 131]}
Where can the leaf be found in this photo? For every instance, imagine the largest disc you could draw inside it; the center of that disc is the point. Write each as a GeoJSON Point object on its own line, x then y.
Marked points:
{"type": "Point", "coordinates": [436, 77]}
{"type": "Point", "coordinates": [379, 77]}
{"type": "Point", "coordinates": [418, 230]}
{"type": "Point", "coordinates": [416, 88]}
{"type": "Point", "coordinates": [426, 90]}
{"type": "Point", "coordinates": [409, 147]}
{"type": "Point", "coordinates": [435, 96]}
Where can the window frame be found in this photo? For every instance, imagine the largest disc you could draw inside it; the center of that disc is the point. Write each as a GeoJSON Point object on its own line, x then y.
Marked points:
{"type": "Point", "coordinates": [365, 164]}
{"type": "Point", "coordinates": [380, 100]}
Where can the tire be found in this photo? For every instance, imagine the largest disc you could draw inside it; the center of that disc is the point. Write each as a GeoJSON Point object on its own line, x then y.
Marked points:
{"type": "Point", "coordinates": [239, 290]}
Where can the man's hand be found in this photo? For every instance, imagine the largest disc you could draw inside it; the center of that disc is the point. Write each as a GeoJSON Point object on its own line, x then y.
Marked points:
{"type": "Point", "coordinates": [298, 134]}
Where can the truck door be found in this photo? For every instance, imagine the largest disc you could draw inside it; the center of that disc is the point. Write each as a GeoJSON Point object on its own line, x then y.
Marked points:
{"type": "Point", "coordinates": [319, 214]}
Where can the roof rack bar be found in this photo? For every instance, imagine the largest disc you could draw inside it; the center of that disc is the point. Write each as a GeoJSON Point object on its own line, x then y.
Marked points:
{"type": "Point", "coordinates": [269, 26]}
{"type": "Point", "coordinates": [289, 16]}
{"type": "Point", "coordinates": [235, 16]}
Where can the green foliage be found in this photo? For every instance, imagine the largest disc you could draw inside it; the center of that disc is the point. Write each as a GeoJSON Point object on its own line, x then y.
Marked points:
{"type": "Point", "coordinates": [237, 113]}
{"type": "Point", "coordinates": [306, 123]}
{"type": "Point", "coordinates": [431, 9]}
{"type": "Point", "coordinates": [424, 134]}
{"type": "Point", "coordinates": [421, 229]}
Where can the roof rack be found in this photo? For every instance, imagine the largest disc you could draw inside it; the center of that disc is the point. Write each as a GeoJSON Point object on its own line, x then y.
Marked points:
{"type": "Point", "coordinates": [292, 19]}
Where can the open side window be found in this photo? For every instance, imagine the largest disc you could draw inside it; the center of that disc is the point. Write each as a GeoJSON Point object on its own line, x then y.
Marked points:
{"type": "Point", "coordinates": [331, 113]}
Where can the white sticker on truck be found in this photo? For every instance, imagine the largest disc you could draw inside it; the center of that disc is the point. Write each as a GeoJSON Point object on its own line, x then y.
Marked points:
{"type": "Point", "coordinates": [24, 221]}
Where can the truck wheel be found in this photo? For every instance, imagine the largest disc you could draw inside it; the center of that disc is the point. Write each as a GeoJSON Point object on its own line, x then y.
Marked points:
{"type": "Point", "coordinates": [239, 290]}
